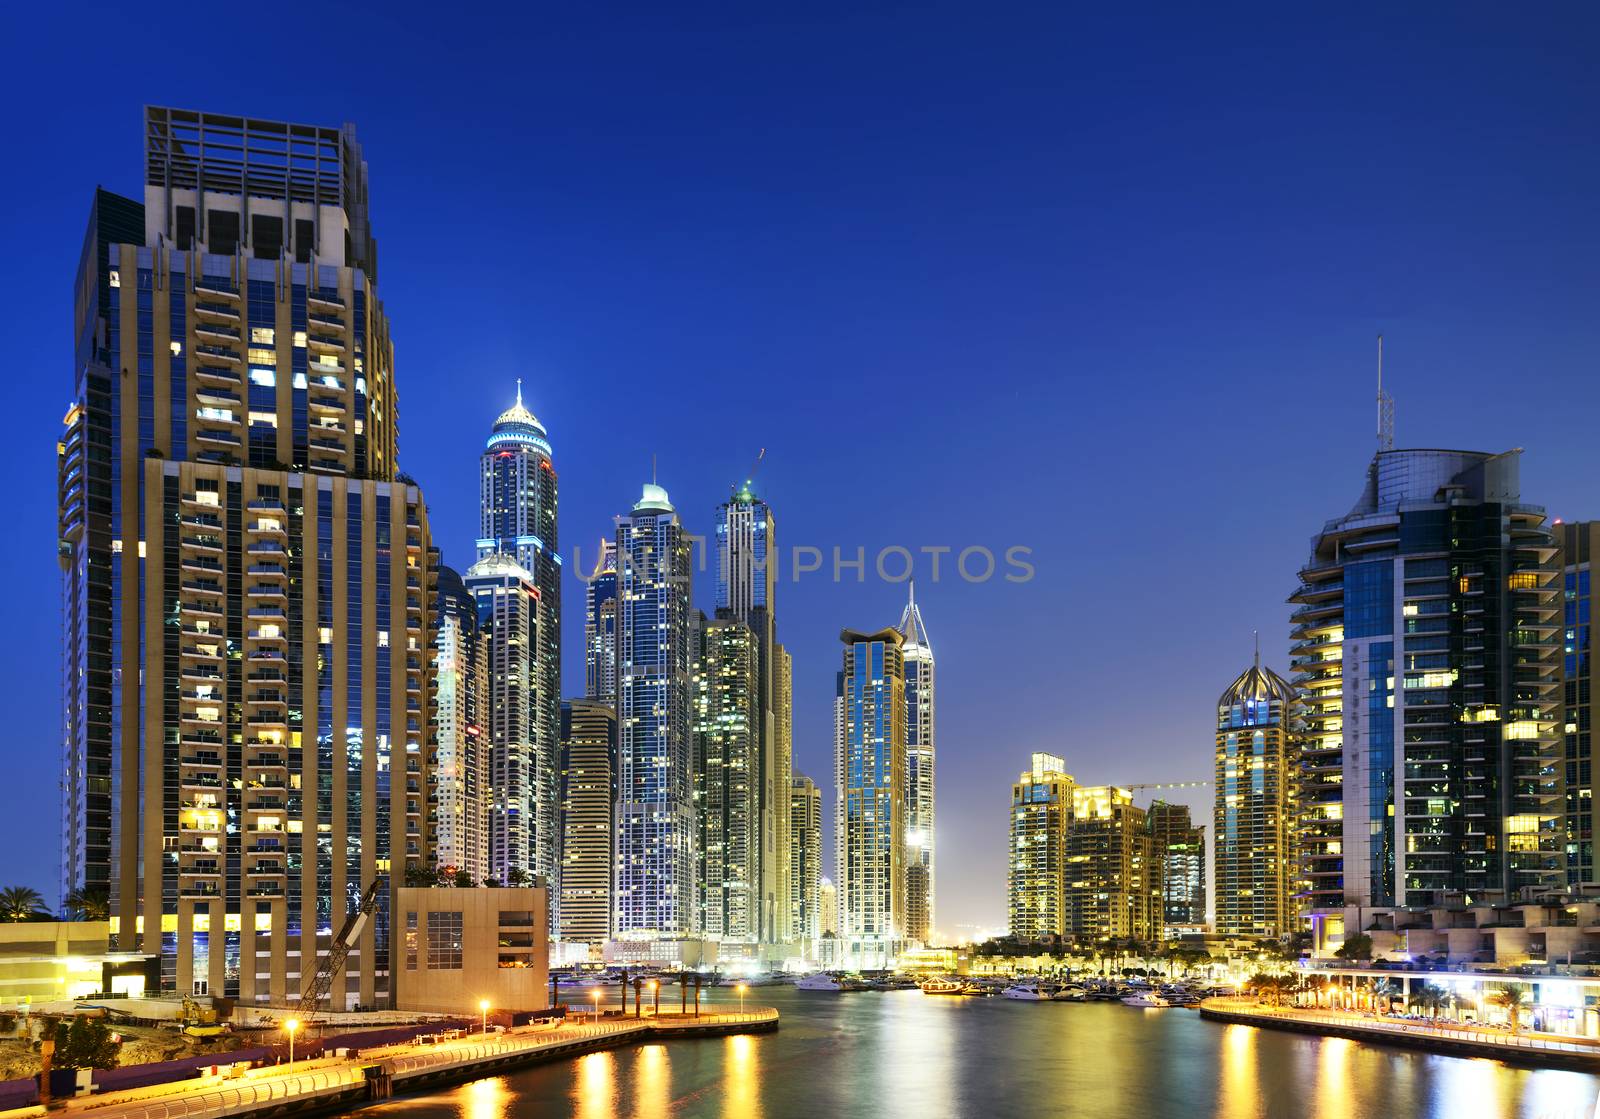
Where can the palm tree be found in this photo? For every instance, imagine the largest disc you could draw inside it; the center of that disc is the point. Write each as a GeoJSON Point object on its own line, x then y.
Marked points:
{"type": "Point", "coordinates": [21, 903]}
{"type": "Point", "coordinates": [90, 903]}
{"type": "Point", "coordinates": [1430, 999]}
{"type": "Point", "coordinates": [1513, 998]}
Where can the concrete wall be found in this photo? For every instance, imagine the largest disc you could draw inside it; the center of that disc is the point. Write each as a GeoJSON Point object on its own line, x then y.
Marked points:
{"type": "Point", "coordinates": [502, 959]}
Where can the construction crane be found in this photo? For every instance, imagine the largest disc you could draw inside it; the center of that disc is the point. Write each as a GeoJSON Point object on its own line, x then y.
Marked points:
{"type": "Point", "coordinates": [1170, 785]}
{"type": "Point", "coordinates": [338, 953]}
{"type": "Point", "coordinates": [750, 478]}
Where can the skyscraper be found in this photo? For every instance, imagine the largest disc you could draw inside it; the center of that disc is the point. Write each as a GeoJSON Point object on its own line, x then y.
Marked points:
{"type": "Point", "coordinates": [919, 771]}
{"type": "Point", "coordinates": [1580, 543]}
{"type": "Point", "coordinates": [588, 792]}
{"type": "Point", "coordinates": [1036, 881]}
{"type": "Point", "coordinates": [520, 843]}
{"type": "Point", "coordinates": [870, 775]}
{"type": "Point", "coordinates": [1254, 822]}
{"type": "Point", "coordinates": [805, 865]}
{"type": "Point", "coordinates": [600, 626]}
{"type": "Point", "coordinates": [1179, 847]}
{"type": "Point", "coordinates": [463, 763]}
{"type": "Point", "coordinates": [1113, 879]}
{"type": "Point", "coordinates": [727, 743]}
{"type": "Point", "coordinates": [1425, 654]}
{"type": "Point", "coordinates": [746, 592]}
{"type": "Point", "coordinates": [655, 817]}
{"type": "Point", "coordinates": [249, 584]}
{"type": "Point", "coordinates": [517, 519]}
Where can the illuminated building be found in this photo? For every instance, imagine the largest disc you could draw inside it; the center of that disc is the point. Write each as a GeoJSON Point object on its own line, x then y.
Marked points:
{"type": "Point", "coordinates": [588, 792]}
{"type": "Point", "coordinates": [805, 866]}
{"type": "Point", "coordinates": [1179, 848]}
{"type": "Point", "coordinates": [1580, 542]}
{"type": "Point", "coordinates": [463, 763]}
{"type": "Point", "coordinates": [828, 907]}
{"type": "Point", "coordinates": [517, 519]}
{"type": "Point", "coordinates": [1113, 886]}
{"type": "Point", "coordinates": [600, 627]}
{"type": "Point", "coordinates": [1253, 825]}
{"type": "Point", "coordinates": [918, 654]}
{"type": "Point", "coordinates": [870, 774]}
{"type": "Point", "coordinates": [1426, 656]}
{"type": "Point", "coordinates": [1036, 883]}
{"type": "Point", "coordinates": [654, 883]}
{"type": "Point", "coordinates": [248, 582]}
{"type": "Point", "coordinates": [727, 743]}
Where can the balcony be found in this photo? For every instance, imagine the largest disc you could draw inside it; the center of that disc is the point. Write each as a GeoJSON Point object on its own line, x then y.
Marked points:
{"type": "Point", "coordinates": [221, 353]}
{"type": "Point", "coordinates": [217, 310]}
{"type": "Point", "coordinates": [322, 297]}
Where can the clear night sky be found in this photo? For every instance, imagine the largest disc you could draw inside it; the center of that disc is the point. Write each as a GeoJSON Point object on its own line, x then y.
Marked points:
{"type": "Point", "coordinates": [1101, 285]}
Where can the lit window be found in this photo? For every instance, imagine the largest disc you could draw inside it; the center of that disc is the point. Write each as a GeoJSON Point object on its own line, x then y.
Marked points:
{"type": "Point", "coordinates": [114, 278]}
{"type": "Point", "coordinates": [325, 635]}
{"type": "Point", "coordinates": [266, 378]}
{"type": "Point", "coordinates": [383, 639]}
{"type": "Point", "coordinates": [300, 339]}
{"type": "Point", "coordinates": [262, 357]}
{"type": "Point", "coordinates": [264, 335]}
{"type": "Point", "coordinates": [177, 347]}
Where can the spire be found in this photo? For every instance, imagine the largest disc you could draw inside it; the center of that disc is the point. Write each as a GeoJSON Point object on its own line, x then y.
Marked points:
{"type": "Point", "coordinates": [1257, 634]}
{"type": "Point", "coordinates": [911, 626]}
{"type": "Point", "coordinates": [519, 392]}
{"type": "Point", "coordinates": [1385, 408]}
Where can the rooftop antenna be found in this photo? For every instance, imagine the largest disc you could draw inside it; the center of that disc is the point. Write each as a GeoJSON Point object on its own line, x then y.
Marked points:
{"type": "Point", "coordinates": [652, 468]}
{"type": "Point", "coordinates": [1257, 634]}
{"type": "Point", "coordinates": [519, 392]}
{"type": "Point", "coordinates": [1385, 407]}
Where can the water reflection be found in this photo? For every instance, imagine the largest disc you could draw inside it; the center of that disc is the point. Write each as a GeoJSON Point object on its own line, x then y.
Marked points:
{"type": "Point", "coordinates": [487, 1099]}
{"type": "Point", "coordinates": [742, 1099]}
{"type": "Point", "coordinates": [595, 1091]}
{"type": "Point", "coordinates": [1240, 1090]}
{"type": "Point", "coordinates": [1333, 1069]}
{"type": "Point", "coordinates": [652, 1082]}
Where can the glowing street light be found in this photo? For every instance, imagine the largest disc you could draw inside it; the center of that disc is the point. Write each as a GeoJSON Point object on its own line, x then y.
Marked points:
{"type": "Point", "coordinates": [483, 1005]}
{"type": "Point", "coordinates": [742, 989]}
{"type": "Point", "coordinates": [595, 994]}
{"type": "Point", "coordinates": [291, 1025]}
{"type": "Point", "coordinates": [655, 991]}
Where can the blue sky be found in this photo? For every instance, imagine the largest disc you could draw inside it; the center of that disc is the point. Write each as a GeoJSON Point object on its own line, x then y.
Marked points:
{"type": "Point", "coordinates": [1099, 283]}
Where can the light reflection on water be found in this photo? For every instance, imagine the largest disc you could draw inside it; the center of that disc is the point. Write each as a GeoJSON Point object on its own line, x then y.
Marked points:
{"type": "Point", "coordinates": [908, 1054]}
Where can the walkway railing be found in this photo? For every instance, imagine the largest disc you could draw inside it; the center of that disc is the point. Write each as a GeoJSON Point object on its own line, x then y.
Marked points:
{"type": "Point", "coordinates": [1346, 1020]}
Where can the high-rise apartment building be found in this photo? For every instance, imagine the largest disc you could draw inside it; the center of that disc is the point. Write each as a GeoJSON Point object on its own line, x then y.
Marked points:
{"type": "Point", "coordinates": [828, 906]}
{"type": "Point", "coordinates": [1253, 827]}
{"type": "Point", "coordinates": [918, 653]}
{"type": "Point", "coordinates": [1179, 848]}
{"type": "Point", "coordinates": [1113, 877]}
{"type": "Point", "coordinates": [654, 883]}
{"type": "Point", "coordinates": [1580, 544]}
{"type": "Point", "coordinates": [588, 792]}
{"type": "Point", "coordinates": [1036, 873]}
{"type": "Point", "coordinates": [727, 746]}
{"type": "Point", "coordinates": [463, 762]}
{"type": "Point", "coordinates": [746, 592]}
{"type": "Point", "coordinates": [805, 860]}
{"type": "Point", "coordinates": [870, 774]}
{"type": "Point", "coordinates": [248, 583]}
{"type": "Point", "coordinates": [1425, 654]}
{"type": "Point", "coordinates": [517, 519]}
{"type": "Point", "coordinates": [600, 626]}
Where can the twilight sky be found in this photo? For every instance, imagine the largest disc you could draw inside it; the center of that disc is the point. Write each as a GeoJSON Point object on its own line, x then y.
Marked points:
{"type": "Point", "coordinates": [1099, 284]}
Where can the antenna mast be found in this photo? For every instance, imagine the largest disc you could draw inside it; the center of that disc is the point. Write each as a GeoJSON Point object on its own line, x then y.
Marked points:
{"type": "Point", "coordinates": [1385, 408]}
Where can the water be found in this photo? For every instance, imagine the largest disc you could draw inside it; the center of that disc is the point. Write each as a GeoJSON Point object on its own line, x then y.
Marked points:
{"type": "Point", "coordinates": [909, 1054]}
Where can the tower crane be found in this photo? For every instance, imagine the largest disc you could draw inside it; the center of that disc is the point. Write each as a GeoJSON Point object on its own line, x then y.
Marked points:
{"type": "Point", "coordinates": [338, 952]}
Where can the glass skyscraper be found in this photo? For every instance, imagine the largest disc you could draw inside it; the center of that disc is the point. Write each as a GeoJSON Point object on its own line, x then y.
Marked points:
{"type": "Point", "coordinates": [249, 583]}
{"type": "Point", "coordinates": [517, 519]}
{"type": "Point", "coordinates": [1036, 867]}
{"type": "Point", "coordinates": [1426, 653]}
{"type": "Point", "coordinates": [654, 891]}
{"type": "Point", "coordinates": [727, 743]}
{"type": "Point", "coordinates": [920, 757]}
{"type": "Point", "coordinates": [870, 794]}
{"type": "Point", "coordinates": [600, 626]}
{"type": "Point", "coordinates": [463, 761]}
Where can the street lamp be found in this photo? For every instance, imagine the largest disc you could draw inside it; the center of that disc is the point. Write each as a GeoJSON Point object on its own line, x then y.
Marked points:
{"type": "Point", "coordinates": [595, 994]}
{"type": "Point", "coordinates": [291, 1025]}
{"type": "Point", "coordinates": [483, 1005]}
{"type": "Point", "coordinates": [742, 989]}
{"type": "Point", "coordinates": [655, 994]}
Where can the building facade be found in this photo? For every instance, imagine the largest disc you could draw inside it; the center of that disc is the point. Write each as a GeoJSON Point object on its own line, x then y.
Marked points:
{"type": "Point", "coordinates": [1254, 821]}
{"type": "Point", "coordinates": [654, 882]}
{"type": "Point", "coordinates": [1179, 847]}
{"type": "Point", "coordinates": [919, 771]}
{"type": "Point", "coordinates": [588, 793]}
{"type": "Point", "coordinates": [600, 626]}
{"type": "Point", "coordinates": [870, 774]}
{"type": "Point", "coordinates": [248, 584]}
{"type": "Point", "coordinates": [517, 519]}
{"type": "Point", "coordinates": [1425, 654]}
{"type": "Point", "coordinates": [1579, 543]}
{"type": "Point", "coordinates": [1036, 879]}
{"type": "Point", "coordinates": [1113, 877]}
{"type": "Point", "coordinates": [727, 765]}
{"type": "Point", "coordinates": [805, 861]}
{"type": "Point", "coordinates": [463, 762]}
{"type": "Point", "coordinates": [509, 616]}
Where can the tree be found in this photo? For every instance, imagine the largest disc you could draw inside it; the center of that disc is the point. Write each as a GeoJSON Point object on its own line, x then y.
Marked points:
{"type": "Point", "coordinates": [1514, 999]}
{"type": "Point", "coordinates": [89, 903]}
{"type": "Point", "coordinates": [516, 876]}
{"type": "Point", "coordinates": [85, 1044]}
{"type": "Point", "coordinates": [1356, 946]}
{"type": "Point", "coordinates": [1429, 998]}
{"type": "Point", "coordinates": [419, 875]}
{"type": "Point", "coordinates": [463, 879]}
{"type": "Point", "coordinates": [22, 903]}
{"type": "Point", "coordinates": [1269, 988]}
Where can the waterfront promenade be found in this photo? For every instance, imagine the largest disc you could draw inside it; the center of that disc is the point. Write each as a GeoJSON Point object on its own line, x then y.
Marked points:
{"type": "Point", "coordinates": [1544, 1050]}
{"type": "Point", "coordinates": [382, 1072]}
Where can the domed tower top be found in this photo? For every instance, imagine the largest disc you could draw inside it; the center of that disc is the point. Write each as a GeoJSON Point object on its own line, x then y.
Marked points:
{"type": "Point", "coordinates": [517, 425]}
{"type": "Point", "coordinates": [1256, 697]}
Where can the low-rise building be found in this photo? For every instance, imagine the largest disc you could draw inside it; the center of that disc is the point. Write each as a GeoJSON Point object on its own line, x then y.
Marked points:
{"type": "Point", "coordinates": [1555, 932]}
{"type": "Point", "coordinates": [462, 947]}
{"type": "Point", "coordinates": [41, 961]}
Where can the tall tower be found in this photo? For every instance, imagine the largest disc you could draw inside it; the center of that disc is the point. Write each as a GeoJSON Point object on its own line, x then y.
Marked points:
{"type": "Point", "coordinates": [870, 773]}
{"type": "Point", "coordinates": [588, 792]}
{"type": "Point", "coordinates": [517, 518]}
{"type": "Point", "coordinates": [1253, 826]}
{"type": "Point", "coordinates": [249, 584]}
{"type": "Point", "coordinates": [463, 763]}
{"type": "Point", "coordinates": [521, 837]}
{"type": "Point", "coordinates": [919, 771]}
{"type": "Point", "coordinates": [600, 626]}
{"type": "Point", "coordinates": [1425, 654]}
{"type": "Point", "coordinates": [727, 764]}
{"type": "Point", "coordinates": [655, 819]}
{"type": "Point", "coordinates": [1036, 883]}
{"type": "Point", "coordinates": [1114, 887]}
{"type": "Point", "coordinates": [1580, 544]}
{"type": "Point", "coordinates": [746, 592]}
{"type": "Point", "coordinates": [1180, 852]}
{"type": "Point", "coordinates": [805, 866]}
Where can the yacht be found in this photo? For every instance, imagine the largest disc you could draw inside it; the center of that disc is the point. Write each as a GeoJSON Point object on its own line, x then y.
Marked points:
{"type": "Point", "coordinates": [1147, 999]}
{"type": "Point", "coordinates": [944, 987]}
{"type": "Point", "coordinates": [1030, 990]}
{"type": "Point", "coordinates": [821, 981]}
{"type": "Point", "coordinates": [1072, 993]}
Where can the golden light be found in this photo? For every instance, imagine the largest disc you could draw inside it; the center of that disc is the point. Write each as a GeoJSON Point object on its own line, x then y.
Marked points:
{"type": "Point", "coordinates": [292, 1025]}
{"type": "Point", "coordinates": [483, 1004]}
